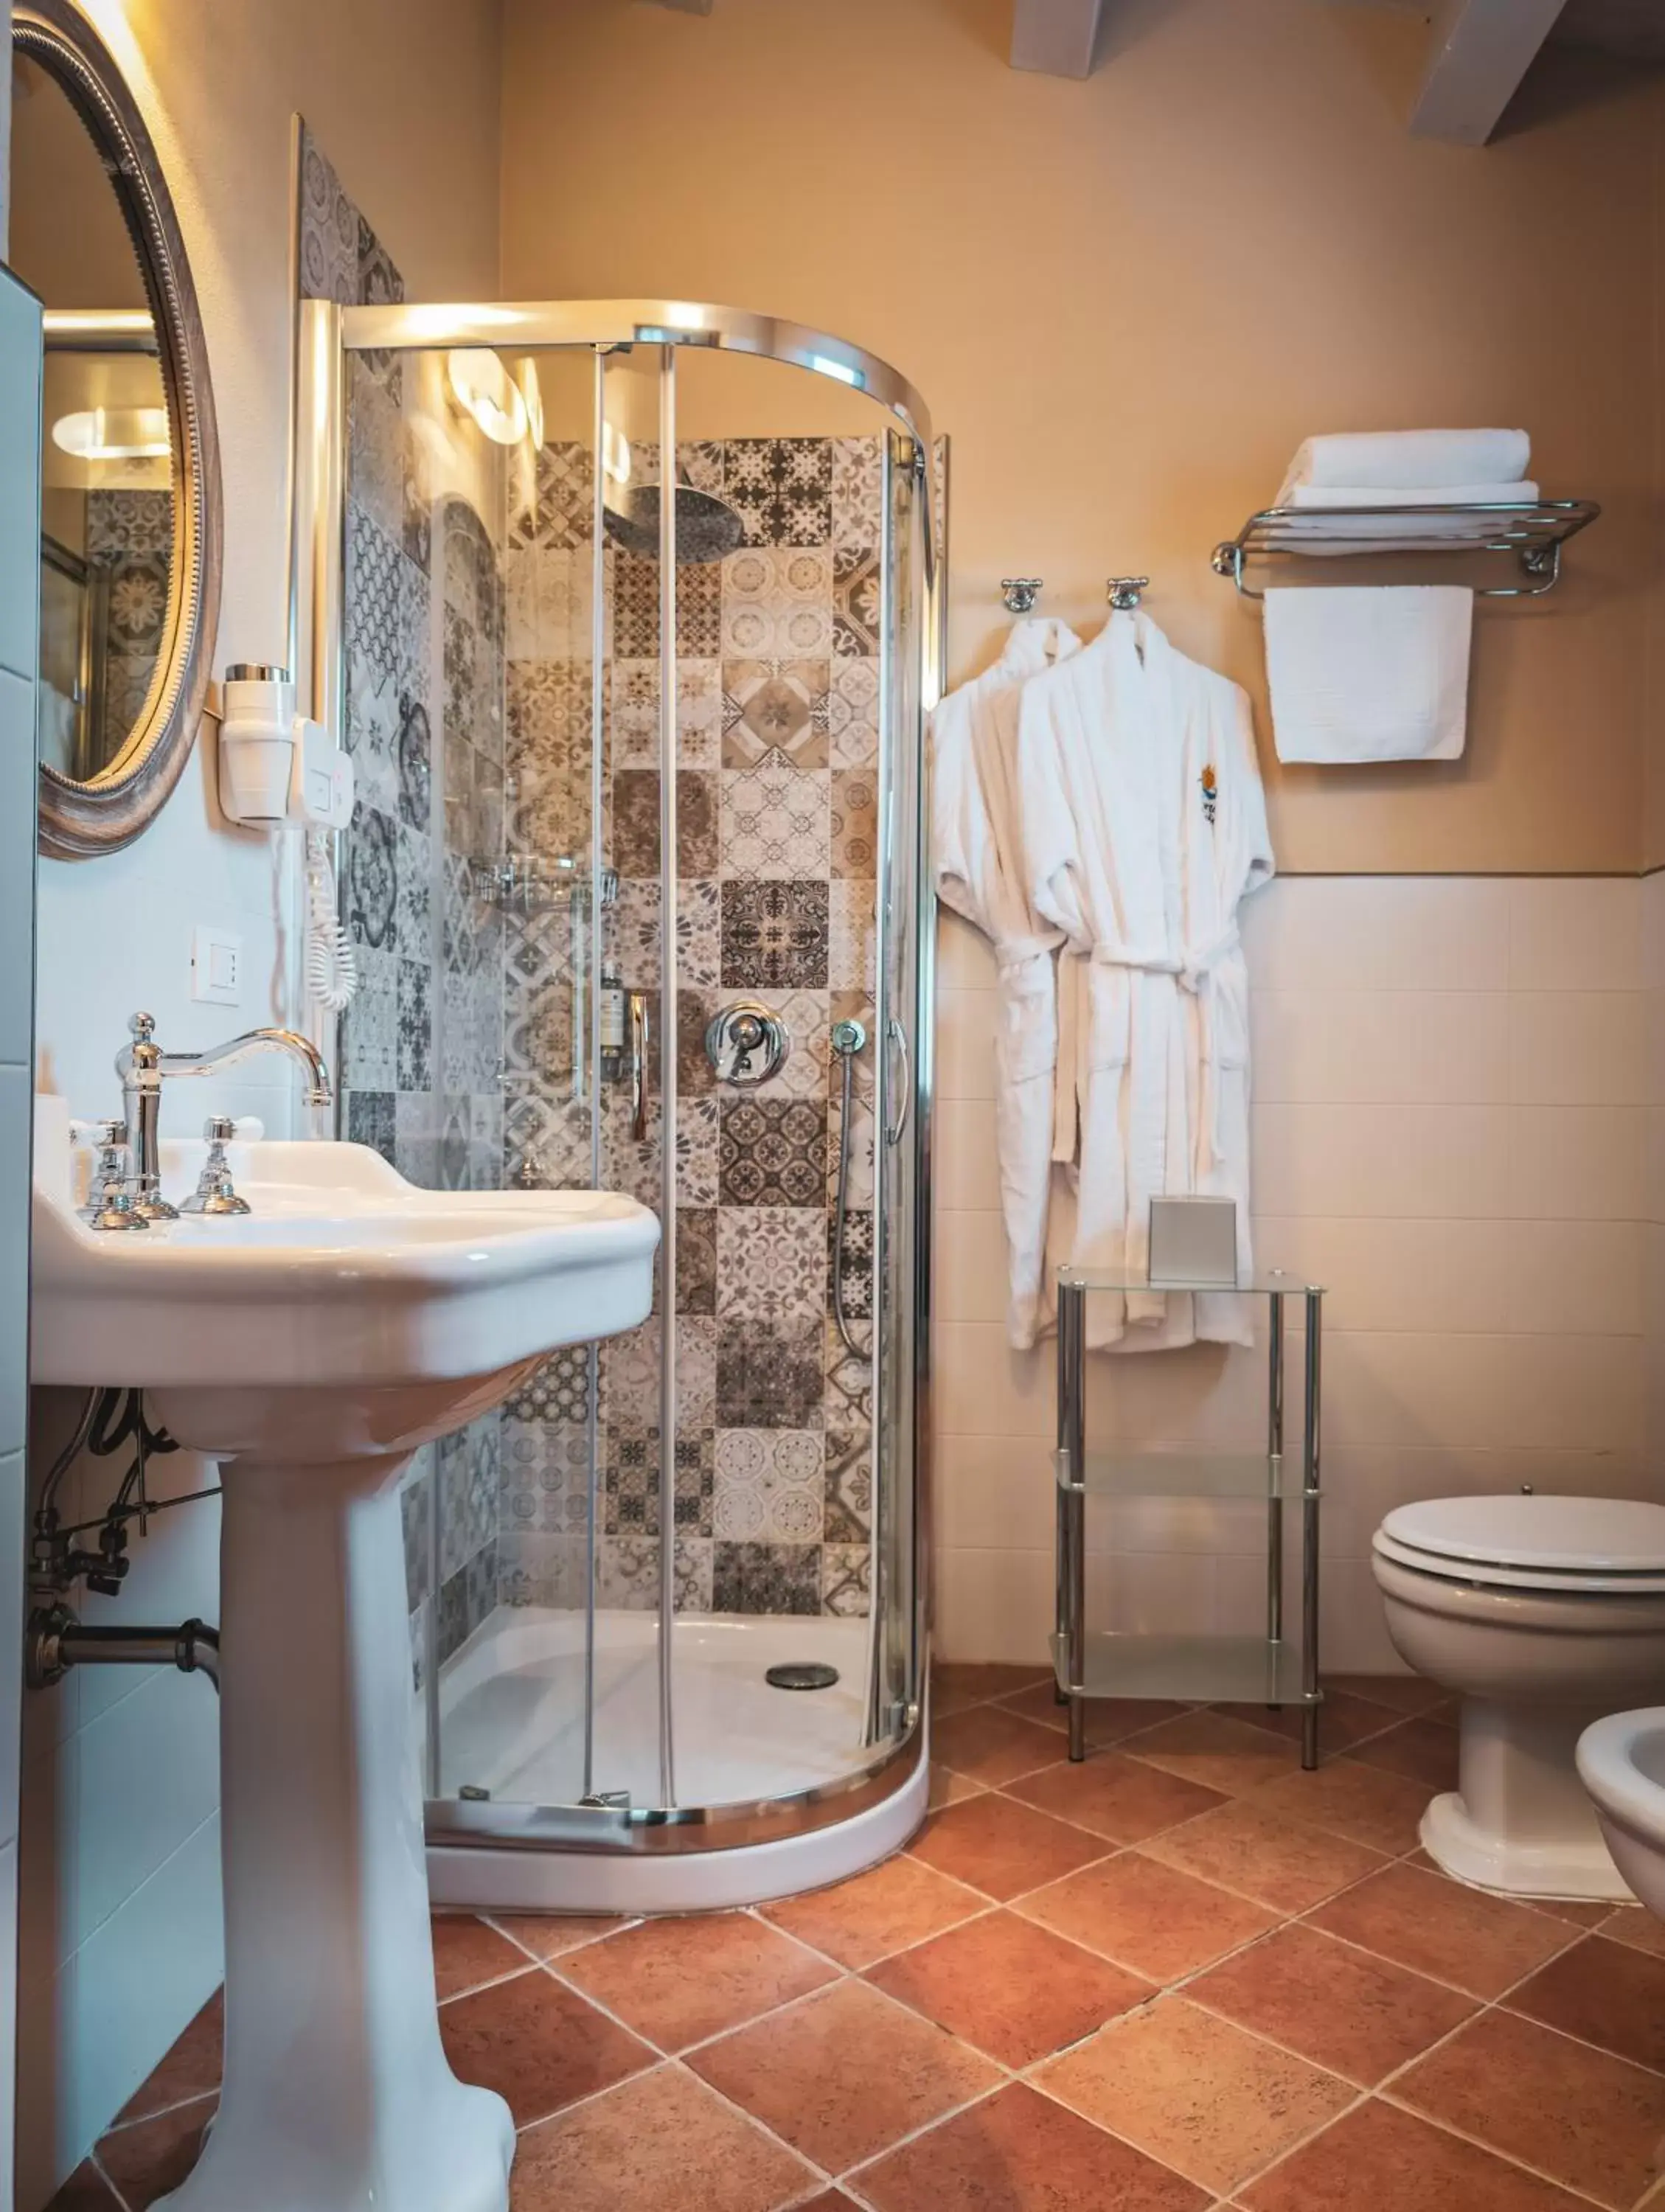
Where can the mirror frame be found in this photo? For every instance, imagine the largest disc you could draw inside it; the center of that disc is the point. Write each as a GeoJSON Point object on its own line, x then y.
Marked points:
{"type": "Point", "coordinates": [80, 820]}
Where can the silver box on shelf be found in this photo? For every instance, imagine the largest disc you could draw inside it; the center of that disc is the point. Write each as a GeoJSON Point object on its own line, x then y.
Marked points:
{"type": "Point", "coordinates": [1192, 1241]}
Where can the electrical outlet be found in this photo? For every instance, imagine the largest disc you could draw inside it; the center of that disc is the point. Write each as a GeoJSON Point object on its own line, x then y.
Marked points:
{"type": "Point", "coordinates": [217, 966]}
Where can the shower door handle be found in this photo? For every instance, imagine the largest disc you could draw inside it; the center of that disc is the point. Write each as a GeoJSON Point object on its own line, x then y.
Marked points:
{"type": "Point", "coordinates": [898, 1037]}
{"type": "Point", "coordinates": [637, 1015]}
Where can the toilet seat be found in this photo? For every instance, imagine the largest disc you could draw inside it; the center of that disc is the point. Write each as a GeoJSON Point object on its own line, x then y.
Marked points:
{"type": "Point", "coordinates": [1488, 1574]}
{"type": "Point", "coordinates": [1512, 1540]}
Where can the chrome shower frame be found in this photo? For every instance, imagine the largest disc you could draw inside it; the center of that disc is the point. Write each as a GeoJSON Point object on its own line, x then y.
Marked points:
{"type": "Point", "coordinates": [326, 334]}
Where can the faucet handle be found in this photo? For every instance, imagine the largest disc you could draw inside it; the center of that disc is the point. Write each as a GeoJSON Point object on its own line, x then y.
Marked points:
{"type": "Point", "coordinates": [109, 1202]}
{"type": "Point", "coordinates": [104, 1133]}
{"type": "Point", "coordinates": [214, 1193]}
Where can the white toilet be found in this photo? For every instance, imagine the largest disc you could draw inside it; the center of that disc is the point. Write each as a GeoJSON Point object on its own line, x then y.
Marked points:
{"type": "Point", "coordinates": [1621, 1762]}
{"type": "Point", "coordinates": [1543, 1614]}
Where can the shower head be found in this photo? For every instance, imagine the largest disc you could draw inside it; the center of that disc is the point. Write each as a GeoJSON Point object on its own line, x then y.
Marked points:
{"type": "Point", "coordinates": [707, 526]}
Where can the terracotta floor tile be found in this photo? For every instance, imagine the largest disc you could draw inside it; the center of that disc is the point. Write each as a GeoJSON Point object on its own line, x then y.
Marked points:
{"type": "Point", "coordinates": [1122, 1798]}
{"type": "Point", "coordinates": [1401, 1693]}
{"type": "Point", "coordinates": [893, 1904]}
{"type": "Point", "coordinates": [1362, 1803]}
{"type": "Point", "coordinates": [1583, 1912]}
{"type": "Point", "coordinates": [191, 2067]}
{"type": "Point", "coordinates": [659, 2141]}
{"type": "Point", "coordinates": [1195, 2092]}
{"type": "Point", "coordinates": [547, 1934]}
{"type": "Point", "coordinates": [829, 2200]}
{"type": "Point", "coordinates": [467, 1953]}
{"type": "Point", "coordinates": [990, 1745]}
{"type": "Point", "coordinates": [1606, 1993]}
{"type": "Point", "coordinates": [1001, 1847]}
{"type": "Point", "coordinates": [1345, 2009]}
{"type": "Point", "coordinates": [844, 2074]}
{"type": "Point", "coordinates": [1591, 2121]}
{"type": "Point", "coordinates": [538, 2044]}
{"type": "Point", "coordinates": [1342, 1720]}
{"type": "Point", "coordinates": [1425, 1750]}
{"type": "Point", "coordinates": [1278, 1862]}
{"type": "Point", "coordinates": [1220, 1753]}
{"type": "Point", "coordinates": [85, 2190]}
{"type": "Point", "coordinates": [1019, 2152]}
{"type": "Point", "coordinates": [1109, 1719]}
{"type": "Point", "coordinates": [146, 2161]}
{"type": "Point", "coordinates": [677, 1981]}
{"type": "Point", "coordinates": [947, 1788]}
{"type": "Point", "coordinates": [1159, 1922]}
{"type": "Point", "coordinates": [1388, 2160]}
{"type": "Point", "coordinates": [1435, 1926]}
{"type": "Point", "coordinates": [1635, 1925]}
{"type": "Point", "coordinates": [1009, 1987]}
{"type": "Point", "coordinates": [957, 1683]}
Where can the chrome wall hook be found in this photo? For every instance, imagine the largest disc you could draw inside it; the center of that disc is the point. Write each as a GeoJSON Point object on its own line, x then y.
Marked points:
{"type": "Point", "coordinates": [1020, 593]}
{"type": "Point", "coordinates": [1124, 592]}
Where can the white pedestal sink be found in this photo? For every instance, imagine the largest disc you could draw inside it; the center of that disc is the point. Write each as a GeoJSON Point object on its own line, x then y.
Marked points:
{"type": "Point", "coordinates": [310, 1347]}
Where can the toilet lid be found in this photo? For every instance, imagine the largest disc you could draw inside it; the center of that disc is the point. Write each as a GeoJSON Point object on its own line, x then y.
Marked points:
{"type": "Point", "coordinates": [1570, 1537]}
{"type": "Point", "coordinates": [1488, 1574]}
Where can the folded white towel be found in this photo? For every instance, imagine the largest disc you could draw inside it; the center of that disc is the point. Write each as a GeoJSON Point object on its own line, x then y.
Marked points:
{"type": "Point", "coordinates": [1385, 460]}
{"type": "Point", "coordinates": [1367, 674]}
{"type": "Point", "coordinates": [1350, 534]}
{"type": "Point", "coordinates": [1521, 492]}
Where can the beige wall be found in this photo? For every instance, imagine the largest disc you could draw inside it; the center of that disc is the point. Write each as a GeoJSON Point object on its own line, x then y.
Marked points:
{"type": "Point", "coordinates": [1128, 299]}
{"type": "Point", "coordinates": [1450, 1132]}
{"type": "Point", "coordinates": [121, 1920]}
{"type": "Point", "coordinates": [1654, 734]}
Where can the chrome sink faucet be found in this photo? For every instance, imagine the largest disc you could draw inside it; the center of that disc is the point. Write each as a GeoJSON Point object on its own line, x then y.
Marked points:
{"type": "Point", "coordinates": [143, 1067]}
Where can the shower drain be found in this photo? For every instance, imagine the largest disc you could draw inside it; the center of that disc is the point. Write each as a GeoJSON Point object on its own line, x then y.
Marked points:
{"type": "Point", "coordinates": [802, 1674]}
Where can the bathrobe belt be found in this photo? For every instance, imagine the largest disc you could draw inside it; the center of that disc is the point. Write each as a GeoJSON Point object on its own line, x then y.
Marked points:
{"type": "Point", "coordinates": [1192, 973]}
{"type": "Point", "coordinates": [1012, 955]}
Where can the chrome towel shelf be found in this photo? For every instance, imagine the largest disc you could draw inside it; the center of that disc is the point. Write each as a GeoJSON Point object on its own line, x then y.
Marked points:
{"type": "Point", "coordinates": [1533, 531]}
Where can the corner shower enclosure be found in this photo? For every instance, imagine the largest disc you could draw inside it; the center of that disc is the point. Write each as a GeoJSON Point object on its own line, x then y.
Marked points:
{"type": "Point", "coordinates": [630, 615]}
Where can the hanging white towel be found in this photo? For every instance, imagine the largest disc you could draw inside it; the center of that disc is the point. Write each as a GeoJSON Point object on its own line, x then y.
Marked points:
{"type": "Point", "coordinates": [1389, 460]}
{"type": "Point", "coordinates": [1368, 674]}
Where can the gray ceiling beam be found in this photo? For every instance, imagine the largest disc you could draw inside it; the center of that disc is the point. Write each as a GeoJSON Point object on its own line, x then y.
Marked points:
{"type": "Point", "coordinates": [1478, 52]}
{"type": "Point", "coordinates": [1056, 37]}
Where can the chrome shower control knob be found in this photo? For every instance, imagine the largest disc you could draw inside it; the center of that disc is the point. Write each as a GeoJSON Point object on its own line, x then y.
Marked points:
{"type": "Point", "coordinates": [747, 1043]}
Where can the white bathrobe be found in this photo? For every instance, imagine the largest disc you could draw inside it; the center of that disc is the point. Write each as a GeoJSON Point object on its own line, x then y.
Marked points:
{"type": "Point", "coordinates": [1144, 824]}
{"type": "Point", "coordinates": [981, 872]}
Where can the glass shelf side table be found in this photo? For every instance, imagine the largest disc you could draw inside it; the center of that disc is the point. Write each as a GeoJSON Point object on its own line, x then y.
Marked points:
{"type": "Point", "coordinates": [1267, 1669]}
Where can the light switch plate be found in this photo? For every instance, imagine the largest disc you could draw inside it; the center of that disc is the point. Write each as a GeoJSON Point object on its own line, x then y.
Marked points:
{"type": "Point", "coordinates": [217, 966]}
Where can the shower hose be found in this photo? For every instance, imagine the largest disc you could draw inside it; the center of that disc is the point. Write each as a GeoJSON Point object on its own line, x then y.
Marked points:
{"type": "Point", "coordinates": [848, 1040]}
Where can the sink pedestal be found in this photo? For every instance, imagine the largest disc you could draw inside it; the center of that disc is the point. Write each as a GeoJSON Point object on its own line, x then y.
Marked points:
{"type": "Point", "coordinates": [338, 2097]}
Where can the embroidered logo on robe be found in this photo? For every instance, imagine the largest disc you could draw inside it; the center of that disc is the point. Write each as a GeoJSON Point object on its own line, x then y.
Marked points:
{"type": "Point", "coordinates": [1211, 795]}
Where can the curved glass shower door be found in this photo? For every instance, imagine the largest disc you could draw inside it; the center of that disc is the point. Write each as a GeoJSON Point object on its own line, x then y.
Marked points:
{"type": "Point", "coordinates": [639, 632]}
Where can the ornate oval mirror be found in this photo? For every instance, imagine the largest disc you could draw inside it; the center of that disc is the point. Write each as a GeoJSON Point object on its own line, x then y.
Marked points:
{"type": "Point", "coordinates": [131, 534]}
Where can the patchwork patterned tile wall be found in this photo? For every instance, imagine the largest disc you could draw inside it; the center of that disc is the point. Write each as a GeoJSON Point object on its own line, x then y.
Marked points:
{"type": "Point", "coordinates": [129, 549]}
{"type": "Point", "coordinates": [776, 760]}
{"type": "Point", "coordinates": [421, 1041]}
